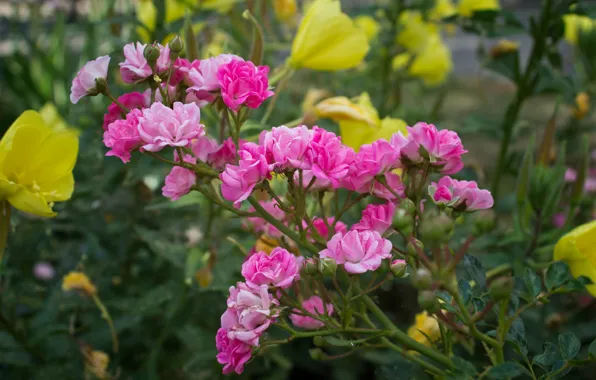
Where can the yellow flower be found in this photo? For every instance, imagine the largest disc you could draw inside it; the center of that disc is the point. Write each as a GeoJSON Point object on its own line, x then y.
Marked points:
{"type": "Point", "coordinates": [97, 363]}
{"type": "Point", "coordinates": [369, 25]}
{"type": "Point", "coordinates": [432, 64]}
{"type": "Point", "coordinates": [312, 97]}
{"type": "Point", "coordinates": [78, 281]}
{"type": "Point", "coordinates": [266, 244]}
{"type": "Point", "coordinates": [467, 7]}
{"type": "Point", "coordinates": [582, 105]}
{"type": "Point", "coordinates": [217, 45]}
{"type": "Point", "coordinates": [578, 249]}
{"type": "Point", "coordinates": [175, 11]}
{"type": "Point", "coordinates": [284, 9]}
{"type": "Point", "coordinates": [204, 277]}
{"type": "Point", "coordinates": [414, 31]}
{"type": "Point", "coordinates": [327, 39]}
{"type": "Point", "coordinates": [442, 9]}
{"type": "Point", "coordinates": [50, 115]}
{"type": "Point", "coordinates": [36, 164]}
{"type": "Point", "coordinates": [504, 47]}
{"type": "Point", "coordinates": [574, 24]}
{"type": "Point", "coordinates": [425, 327]}
{"type": "Point", "coordinates": [340, 108]}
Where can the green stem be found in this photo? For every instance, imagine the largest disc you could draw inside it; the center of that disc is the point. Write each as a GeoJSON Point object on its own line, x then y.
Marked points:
{"type": "Point", "coordinates": [106, 315]}
{"type": "Point", "coordinates": [116, 101]}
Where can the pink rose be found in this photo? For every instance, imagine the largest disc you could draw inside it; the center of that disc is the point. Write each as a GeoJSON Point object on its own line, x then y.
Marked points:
{"type": "Point", "coordinates": [232, 353]}
{"type": "Point", "coordinates": [329, 159]}
{"type": "Point", "coordinates": [376, 217]}
{"type": "Point", "coordinates": [286, 147]}
{"type": "Point", "coordinates": [372, 160]}
{"type": "Point", "coordinates": [238, 181]}
{"type": "Point", "coordinates": [444, 147]}
{"type": "Point", "coordinates": [323, 230]}
{"type": "Point", "coordinates": [314, 305]}
{"type": "Point", "coordinates": [249, 313]}
{"type": "Point", "coordinates": [223, 155]}
{"type": "Point", "coordinates": [203, 146]}
{"type": "Point", "coordinates": [161, 126]}
{"type": "Point", "coordinates": [84, 82]}
{"type": "Point", "coordinates": [279, 269]}
{"type": "Point", "coordinates": [394, 183]}
{"type": "Point", "coordinates": [158, 97]}
{"type": "Point", "coordinates": [135, 66]}
{"type": "Point", "coordinates": [204, 77]}
{"type": "Point", "coordinates": [122, 136]}
{"type": "Point", "coordinates": [182, 69]}
{"type": "Point", "coordinates": [243, 83]}
{"type": "Point", "coordinates": [260, 225]}
{"type": "Point", "coordinates": [179, 181]}
{"type": "Point", "coordinates": [460, 195]}
{"type": "Point", "coordinates": [131, 101]}
{"type": "Point", "coordinates": [358, 251]}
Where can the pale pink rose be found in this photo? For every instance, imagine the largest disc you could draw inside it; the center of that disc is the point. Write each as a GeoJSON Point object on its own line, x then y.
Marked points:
{"type": "Point", "coordinates": [376, 218]}
{"type": "Point", "coordinates": [279, 269]}
{"type": "Point", "coordinates": [232, 353]}
{"type": "Point", "coordinates": [203, 146]}
{"type": "Point", "coordinates": [372, 160]}
{"type": "Point", "coordinates": [204, 77]}
{"type": "Point", "coordinates": [131, 101]}
{"type": "Point", "coordinates": [260, 225]}
{"type": "Point", "coordinates": [238, 181]}
{"type": "Point", "coordinates": [200, 98]}
{"type": "Point", "coordinates": [444, 147]}
{"type": "Point", "coordinates": [313, 305]}
{"type": "Point", "coordinates": [285, 147]}
{"type": "Point", "coordinates": [224, 154]}
{"type": "Point", "coordinates": [122, 136]}
{"type": "Point", "coordinates": [182, 67]}
{"type": "Point", "coordinates": [135, 66]}
{"type": "Point", "coordinates": [394, 183]}
{"type": "Point", "coordinates": [460, 195]}
{"type": "Point", "coordinates": [329, 159]}
{"type": "Point", "coordinates": [179, 182]}
{"type": "Point", "coordinates": [44, 271]}
{"type": "Point", "coordinates": [250, 312]}
{"type": "Point", "coordinates": [243, 83]}
{"type": "Point", "coordinates": [161, 126]}
{"type": "Point", "coordinates": [358, 251]}
{"type": "Point", "coordinates": [84, 82]}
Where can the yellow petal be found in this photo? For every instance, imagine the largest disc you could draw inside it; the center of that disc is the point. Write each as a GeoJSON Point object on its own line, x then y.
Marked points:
{"type": "Point", "coordinates": [584, 268]}
{"type": "Point", "coordinates": [574, 24]}
{"type": "Point", "coordinates": [59, 189]}
{"type": "Point", "coordinates": [27, 118]}
{"type": "Point", "coordinates": [414, 31]}
{"type": "Point", "coordinates": [285, 9]}
{"type": "Point", "coordinates": [341, 108]}
{"type": "Point", "coordinates": [467, 7]}
{"type": "Point", "coordinates": [26, 141]}
{"type": "Point", "coordinates": [369, 25]}
{"type": "Point", "coordinates": [30, 202]}
{"type": "Point", "coordinates": [579, 244]}
{"type": "Point", "coordinates": [442, 9]}
{"type": "Point", "coordinates": [432, 64]}
{"type": "Point", "coordinates": [355, 133]}
{"type": "Point", "coordinates": [328, 39]}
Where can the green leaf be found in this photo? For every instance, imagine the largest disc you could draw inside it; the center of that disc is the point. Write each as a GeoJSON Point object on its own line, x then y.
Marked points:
{"type": "Point", "coordinates": [471, 269]}
{"type": "Point", "coordinates": [556, 367]}
{"type": "Point", "coordinates": [194, 261]}
{"type": "Point", "coordinates": [506, 64]}
{"type": "Point", "coordinates": [463, 367]}
{"type": "Point", "coordinates": [153, 299]}
{"type": "Point", "coordinates": [533, 283]}
{"type": "Point", "coordinates": [523, 184]}
{"type": "Point", "coordinates": [592, 349]}
{"type": "Point", "coordinates": [465, 290]}
{"type": "Point", "coordinates": [548, 357]}
{"type": "Point", "coordinates": [506, 370]}
{"type": "Point", "coordinates": [557, 275]}
{"type": "Point", "coordinates": [569, 345]}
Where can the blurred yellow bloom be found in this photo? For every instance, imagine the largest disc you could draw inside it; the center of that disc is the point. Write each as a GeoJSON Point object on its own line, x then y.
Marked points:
{"type": "Point", "coordinates": [266, 244]}
{"type": "Point", "coordinates": [340, 108]}
{"type": "Point", "coordinates": [432, 64]}
{"type": "Point", "coordinates": [425, 327]}
{"type": "Point", "coordinates": [578, 249]}
{"type": "Point", "coordinates": [97, 363]}
{"type": "Point", "coordinates": [442, 9]}
{"type": "Point", "coordinates": [312, 97]}
{"type": "Point", "coordinates": [175, 11]}
{"type": "Point", "coordinates": [50, 115]}
{"type": "Point", "coordinates": [582, 105]}
{"type": "Point", "coordinates": [36, 164]}
{"type": "Point", "coordinates": [284, 9]}
{"type": "Point", "coordinates": [574, 24]}
{"type": "Point", "coordinates": [218, 44]}
{"type": "Point", "coordinates": [78, 281]}
{"type": "Point", "coordinates": [204, 277]}
{"type": "Point", "coordinates": [504, 47]}
{"type": "Point", "coordinates": [369, 25]}
{"type": "Point", "coordinates": [467, 7]}
{"type": "Point", "coordinates": [327, 39]}
{"type": "Point", "coordinates": [414, 31]}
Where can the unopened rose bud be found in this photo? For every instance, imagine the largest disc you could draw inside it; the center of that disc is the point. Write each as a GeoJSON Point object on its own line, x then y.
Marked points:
{"type": "Point", "coordinates": [437, 229]}
{"type": "Point", "coordinates": [318, 341]}
{"type": "Point", "coordinates": [176, 47]}
{"type": "Point", "coordinates": [327, 266]}
{"type": "Point", "coordinates": [316, 353]}
{"type": "Point", "coordinates": [310, 267]}
{"type": "Point", "coordinates": [408, 206]}
{"type": "Point", "coordinates": [422, 279]}
{"type": "Point", "coordinates": [151, 53]}
{"type": "Point", "coordinates": [398, 268]}
{"type": "Point", "coordinates": [428, 301]}
{"type": "Point", "coordinates": [402, 220]}
{"type": "Point", "coordinates": [414, 246]}
{"type": "Point", "coordinates": [484, 221]}
{"type": "Point", "coordinates": [500, 288]}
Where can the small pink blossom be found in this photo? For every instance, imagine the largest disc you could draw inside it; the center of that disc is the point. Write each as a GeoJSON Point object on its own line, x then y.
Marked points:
{"type": "Point", "coordinates": [161, 126]}
{"type": "Point", "coordinates": [313, 305]}
{"type": "Point", "coordinates": [233, 354]}
{"type": "Point", "coordinates": [372, 160]}
{"type": "Point", "coordinates": [131, 101]}
{"type": "Point", "coordinates": [358, 251]}
{"type": "Point", "coordinates": [394, 183]}
{"type": "Point", "coordinates": [285, 147]}
{"type": "Point", "coordinates": [203, 146]}
{"type": "Point", "coordinates": [203, 77]}
{"type": "Point", "coordinates": [376, 217]}
{"type": "Point", "coordinates": [443, 147]}
{"type": "Point", "coordinates": [279, 269]}
{"type": "Point", "coordinates": [43, 271]}
{"type": "Point", "coordinates": [135, 66]}
{"type": "Point", "coordinates": [84, 82]}
{"type": "Point", "coordinates": [179, 181]}
{"type": "Point", "coordinates": [249, 313]}
{"type": "Point", "coordinates": [462, 195]}
{"type": "Point", "coordinates": [323, 229]}
{"type": "Point", "coordinates": [122, 136]}
{"type": "Point", "coordinates": [242, 83]}
{"type": "Point", "coordinates": [238, 181]}
{"type": "Point", "coordinates": [182, 67]}
{"type": "Point", "coordinates": [260, 225]}
{"type": "Point", "coordinates": [224, 154]}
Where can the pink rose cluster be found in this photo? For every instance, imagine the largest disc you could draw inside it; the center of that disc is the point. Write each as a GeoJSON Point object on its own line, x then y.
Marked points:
{"type": "Point", "coordinates": [252, 306]}
{"type": "Point", "coordinates": [460, 195]}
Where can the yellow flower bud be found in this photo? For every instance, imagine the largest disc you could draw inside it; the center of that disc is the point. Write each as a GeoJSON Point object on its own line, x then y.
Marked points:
{"type": "Point", "coordinates": [467, 8]}
{"type": "Point", "coordinates": [97, 363]}
{"type": "Point", "coordinates": [582, 105]}
{"type": "Point", "coordinates": [574, 24]}
{"type": "Point", "coordinates": [78, 281]}
{"type": "Point", "coordinates": [578, 249]}
{"type": "Point", "coordinates": [369, 25]}
{"type": "Point", "coordinates": [504, 47]}
{"type": "Point", "coordinates": [327, 39]}
{"type": "Point", "coordinates": [432, 64]}
{"type": "Point", "coordinates": [425, 327]}
{"type": "Point", "coordinates": [414, 31]}
{"type": "Point", "coordinates": [341, 108]}
{"type": "Point", "coordinates": [284, 9]}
